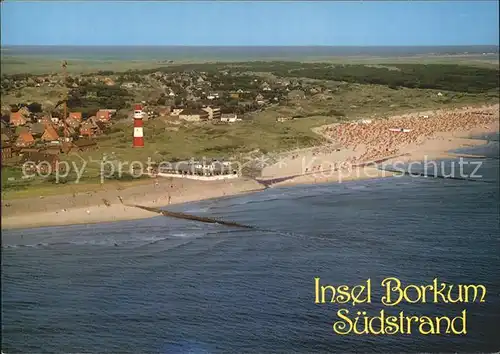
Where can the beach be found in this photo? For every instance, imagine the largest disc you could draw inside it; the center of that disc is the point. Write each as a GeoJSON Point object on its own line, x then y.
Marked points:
{"type": "Point", "coordinates": [350, 147]}
{"type": "Point", "coordinates": [91, 207]}
{"type": "Point", "coordinates": [432, 135]}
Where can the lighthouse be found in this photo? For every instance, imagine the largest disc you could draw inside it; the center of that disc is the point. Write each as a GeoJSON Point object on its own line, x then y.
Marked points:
{"type": "Point", "coordinates": [138, 123]}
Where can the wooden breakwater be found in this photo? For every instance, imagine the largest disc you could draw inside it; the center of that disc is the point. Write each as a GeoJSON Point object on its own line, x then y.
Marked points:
{"type": "Point", "coordinates": [266, 183]}
{"type": "Point", "coordinates": [191, 217]}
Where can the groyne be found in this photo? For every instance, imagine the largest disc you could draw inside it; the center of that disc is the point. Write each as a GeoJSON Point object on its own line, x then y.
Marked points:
{"type": "Point", "coordinates": [191, 217]}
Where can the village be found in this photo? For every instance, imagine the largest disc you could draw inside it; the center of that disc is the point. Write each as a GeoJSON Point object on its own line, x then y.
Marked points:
{"type": "Point", "coordinates": [48, 117]}
{"type": "Point", "coordinates": [35, 138]}
{"type": "Point", "coordinates": [45, 131]}
{"type": "Point", "coordinates": [235, 92]}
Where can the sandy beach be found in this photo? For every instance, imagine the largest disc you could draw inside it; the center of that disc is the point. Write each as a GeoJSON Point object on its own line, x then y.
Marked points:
{"type": "Point", "coordinates": [430, 135]}
{"type": "Point", "coordinates": [92, 207]}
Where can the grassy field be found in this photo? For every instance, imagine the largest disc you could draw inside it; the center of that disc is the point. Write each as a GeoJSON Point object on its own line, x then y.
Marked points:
{"type": "Point", "coordinates": [42, 187]}
{"type": "Point", "coordinates": [19, 65]}
{"type": "Point", "coordinates": [33, 65]}
{"type": "Point", "coordinates": [47, 96]}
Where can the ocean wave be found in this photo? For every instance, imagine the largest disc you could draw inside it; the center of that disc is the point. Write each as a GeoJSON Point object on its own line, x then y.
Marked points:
{"type": "Point", "coordinates": [360, 187]}
{"type": "Point", "coordinates": [182, 235]}
{"type": "Point", "coordinates": [106, 242]}
{"type": "Point", "coordinates": [248, 202]}
{"type": "Point", "coordinates": [197, 210]}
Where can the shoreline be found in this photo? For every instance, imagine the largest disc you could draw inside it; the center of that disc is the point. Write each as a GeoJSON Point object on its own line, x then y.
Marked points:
{"type": "Point", "coordinates": [91, 209]}
{"type": "Point", "coordinates": [104, 205]}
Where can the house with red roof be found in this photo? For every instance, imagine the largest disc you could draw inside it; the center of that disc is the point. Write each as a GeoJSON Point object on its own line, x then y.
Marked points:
{"type": "Point", "coordinates": [76, 116]}
{"type": "Point", "coordinates": [25, 139]}
{"type": "Point", "coordinates": [50, 134]}
{"type": "Point", "coordinates": [103, 115]}
{"type": "Point", "coordinates": [18, 118]}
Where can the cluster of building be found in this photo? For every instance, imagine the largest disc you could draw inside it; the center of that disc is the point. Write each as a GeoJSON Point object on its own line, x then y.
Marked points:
{"type": "Point", "coordinates": [235, 93]}
{"type": "Point", "coordinates": [188, 96]}
{"type": "Point", "coordinates": [44, 137]}
{"type": "Point", "coordinates": [223, 95]}
{"type": "Point", "coordinates": [204, 114]}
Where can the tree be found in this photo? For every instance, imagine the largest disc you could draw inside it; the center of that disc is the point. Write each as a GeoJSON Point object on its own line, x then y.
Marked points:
{"type": "Point", "coordinates": [178, 101]}
{"type": "Point", "coordinates": [69, 81]}
{"type": "Point", "coordinates": [161, 100]}
{"type": "Point", "coordinates": [35, 107]}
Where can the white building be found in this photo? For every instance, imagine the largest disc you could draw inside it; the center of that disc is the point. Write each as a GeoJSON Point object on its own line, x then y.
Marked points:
{"type": "Point", "coordinates": [213, 112]}
{"type": "Point", "coordinates": [193, 115]}
{"type": "Point", "coordinates": [176, 111]}
{"type": "Point", "coordinates": [230, 118]}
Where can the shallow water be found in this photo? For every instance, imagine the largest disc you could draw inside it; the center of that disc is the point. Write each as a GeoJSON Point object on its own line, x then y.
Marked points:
{"type": "Point", "coordinates": [236, 53]}
{"type": "Point", "coordinates": [169, 285]}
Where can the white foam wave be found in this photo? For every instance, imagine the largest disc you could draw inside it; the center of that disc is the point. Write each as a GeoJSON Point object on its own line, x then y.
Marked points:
{"type": "Point", "coordinates": [357, 187]}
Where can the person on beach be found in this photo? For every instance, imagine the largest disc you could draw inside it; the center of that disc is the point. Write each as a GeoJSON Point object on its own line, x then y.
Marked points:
{"type": "Point", "coordinates": [380, 141]}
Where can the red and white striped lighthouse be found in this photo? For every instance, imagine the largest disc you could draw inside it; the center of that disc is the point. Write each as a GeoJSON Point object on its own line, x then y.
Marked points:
{"type": "Point", "coordinates": [138, 133]}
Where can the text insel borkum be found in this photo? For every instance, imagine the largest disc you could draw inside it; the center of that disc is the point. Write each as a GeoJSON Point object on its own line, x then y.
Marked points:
{"type": "Point", "coordinates": [395, 293]}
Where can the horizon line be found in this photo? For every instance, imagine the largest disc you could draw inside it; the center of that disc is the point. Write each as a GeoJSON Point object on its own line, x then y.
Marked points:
{"type": "Point", "coordinates": [248, 46]}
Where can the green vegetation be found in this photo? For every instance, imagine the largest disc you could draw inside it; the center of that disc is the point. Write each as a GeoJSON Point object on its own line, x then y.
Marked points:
{"type": "Point", "coordinates": [207, 140]}
{"type": "Point", "coordinates": [449, 77]}
{"type": "Point", "coordinates": [89, 99]}
{"type": "Point", "coordinates": [167, 141]}
{"type": "Point", "coordinates": [41, 65]}
{"type": "Point", "coordinates": [12, 179]}
{"type": "Point", "coordinates": [333, 93]}
{"type": "Point", "coordinates": [456, 78]}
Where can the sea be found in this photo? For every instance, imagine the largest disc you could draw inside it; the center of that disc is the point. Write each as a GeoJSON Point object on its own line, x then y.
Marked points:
{"type": "Point", "coordinates": [239, 53]}
{"type": "Point", "coordinates": [164, 285]}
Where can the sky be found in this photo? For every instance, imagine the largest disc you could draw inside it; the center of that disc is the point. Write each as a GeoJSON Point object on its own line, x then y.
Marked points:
{"type": "Point", "coordinates": [334, 23]}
